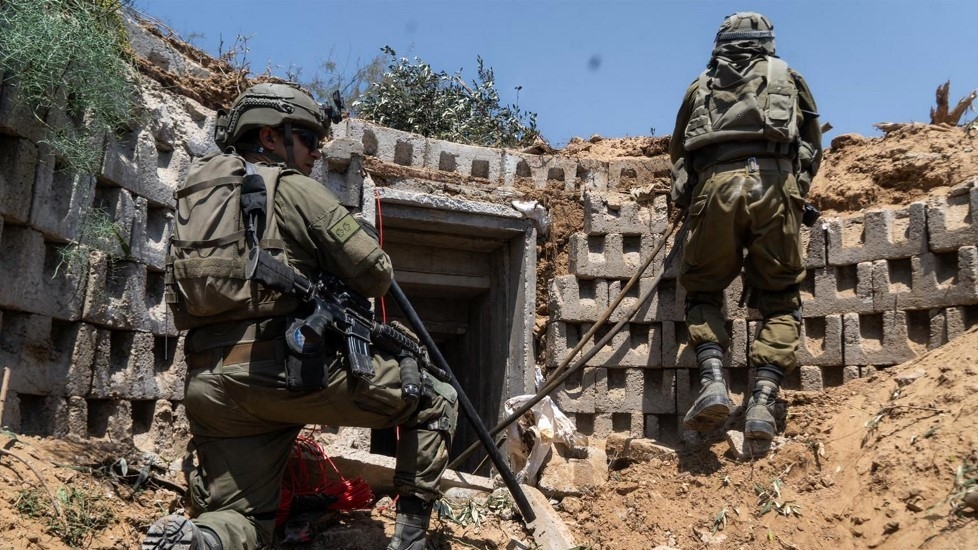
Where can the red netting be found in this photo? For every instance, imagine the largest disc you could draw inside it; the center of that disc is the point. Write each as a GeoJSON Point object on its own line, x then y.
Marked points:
{"type": "Point", "coordinates": [307, 475]}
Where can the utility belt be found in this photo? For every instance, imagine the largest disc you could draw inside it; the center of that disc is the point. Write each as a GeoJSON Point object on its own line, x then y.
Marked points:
{"type": "Point", "coordinates": [244, 352]}
{"type": "Point", "coordinates": [750, 164]}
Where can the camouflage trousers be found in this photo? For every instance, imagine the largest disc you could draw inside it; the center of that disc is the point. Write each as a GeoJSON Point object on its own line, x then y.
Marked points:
{"type": "Point", "coordinates": [746, 216]}
{"type": "Point", "coordinates": [244, 423]}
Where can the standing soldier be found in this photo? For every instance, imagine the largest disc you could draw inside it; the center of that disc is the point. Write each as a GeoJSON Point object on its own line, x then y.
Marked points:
{"type": "Point", "coordinates": [248, 393]}
{"type": "Point", "coordinates": [745, 148]}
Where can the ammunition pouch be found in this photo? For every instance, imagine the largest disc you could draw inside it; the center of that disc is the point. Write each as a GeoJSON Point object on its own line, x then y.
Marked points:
{"type": "Point", "coordinates": [307, 358]}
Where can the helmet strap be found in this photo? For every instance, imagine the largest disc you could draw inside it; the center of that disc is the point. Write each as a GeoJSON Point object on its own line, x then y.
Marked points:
{"type": "Point", "coordinates": [287, 137]}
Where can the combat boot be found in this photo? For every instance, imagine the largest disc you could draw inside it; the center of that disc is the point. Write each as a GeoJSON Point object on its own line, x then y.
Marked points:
{"type": "Point", "coordinates": [175, 532]}
{"type": "Point", "coordinates": [760, 424]}
{"type": "Point", "coordinates": [411, 524]}
{"type": "Point", "coordinates": [712, 406]}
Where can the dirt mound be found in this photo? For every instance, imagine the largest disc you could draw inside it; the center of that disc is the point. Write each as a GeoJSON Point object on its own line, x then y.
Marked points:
{"type": "Point", "coordinates": [909, 163]}
{"type": "Point", "coordinates": [882, 462]}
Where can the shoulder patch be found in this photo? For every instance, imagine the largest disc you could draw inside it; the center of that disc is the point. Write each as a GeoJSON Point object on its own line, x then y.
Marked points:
{"type": "Point", "coordinates": [344, 229]}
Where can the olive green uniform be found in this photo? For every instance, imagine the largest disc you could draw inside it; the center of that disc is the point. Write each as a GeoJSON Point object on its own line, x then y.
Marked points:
{"type": "Point", "coordinates": [748, 199]}
{"type": "Point", "coordinates": [244, 420]}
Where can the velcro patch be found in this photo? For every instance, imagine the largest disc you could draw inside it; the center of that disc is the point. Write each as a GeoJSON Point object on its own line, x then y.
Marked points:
{"type": "Point", "coordinates": [344, 229]}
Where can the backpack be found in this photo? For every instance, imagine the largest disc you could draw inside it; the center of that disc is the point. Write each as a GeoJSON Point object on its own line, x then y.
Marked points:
{"type": "Point", "coordinates": [206, 279]}
{"type": "Point", "coordinates": [756, 106]}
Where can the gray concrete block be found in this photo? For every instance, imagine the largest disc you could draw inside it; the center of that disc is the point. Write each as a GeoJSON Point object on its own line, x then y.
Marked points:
{"type": "Point", "coordinates": [545, 171]}
{"type": "Point", "coordinates": [18, 163]}
{"type": "Point", "coordinates": [951, 219]}
{"type": "Point", "coordinates": [667, 302]}
{"type": "Point", "coordinates": [821, 341]}
{"type": "Point", "coordinates": [876, 339]}
{"type": "Point", "coordinates": [578, 394]}
{"type": "Point", "coordinates": [608, 212]}
{"type": "Point", "coordinates": [838, 289]}
{"type": "Point", "coordinates": [877, 234]}
{"type": "Point", "coordinates": [811, 378]}
{"type": "Point", "coordinates": [151, 228]}
{"type": "Point", "coordinates": [60, 199]}
{"type": "Point", "coordinates": [642, 346]}
{"type": "Point", "coordinates": [391, 146]}
{"type": "Point", "coordinates": [930, 280]}
{"type": "Point", "coordinates": [813, 244]}
{"type": "Point", "coordinates": [77, 425]}
{"type": "Point", "coordinates": [659, 391]}
{"type": "Point", "coordinates": [610, 256]}
{"type": "Point", "coordinates": [116, 294]}
{"type": "Point", "coordinates": [16, 118]}
{"type": "Point", "coordinates": [34, 277]}
{"type": "Point", "coordinates": [578, 300]}
{"type": "Point", "coordinates": [466, 160]}
{"type": "Point", "coordinates": [159, 52]}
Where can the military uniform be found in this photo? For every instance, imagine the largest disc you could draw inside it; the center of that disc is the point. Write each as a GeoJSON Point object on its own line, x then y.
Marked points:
{"type": "Point", "coordinates": [243, 418]}
{"type": "Point", "coordinates": [747, 198]}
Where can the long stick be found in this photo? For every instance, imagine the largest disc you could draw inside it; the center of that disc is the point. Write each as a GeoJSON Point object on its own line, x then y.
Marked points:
{"type": "Point", "coordinates": [553, 384]}
{"type": "Point", "coordinates": [611, 307]}
{"type": "Point", "coordinates": [497, 458]}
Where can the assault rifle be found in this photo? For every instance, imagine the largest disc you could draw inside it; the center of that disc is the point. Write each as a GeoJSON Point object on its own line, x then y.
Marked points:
{"type": "Point", "coordinates": [339, 309]}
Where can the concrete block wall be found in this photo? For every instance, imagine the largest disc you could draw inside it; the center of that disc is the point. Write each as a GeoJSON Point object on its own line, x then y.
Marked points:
{"type": "Point", "coordinates": [497, 168]}
{"type": "Point", "coordinates": [882, 287]}
{"type": "Point", "coordinates": [89, 343]}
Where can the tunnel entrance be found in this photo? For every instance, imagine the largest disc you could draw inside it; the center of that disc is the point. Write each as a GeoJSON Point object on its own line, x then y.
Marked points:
{"type": "Point", "coordinates": [470, 275]}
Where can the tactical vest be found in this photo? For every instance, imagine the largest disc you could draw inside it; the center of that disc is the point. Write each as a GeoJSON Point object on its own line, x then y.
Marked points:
{"type": "Point", "coordinates": [761, 107]}
{"type": "Point", "coordinates": [207, 253]}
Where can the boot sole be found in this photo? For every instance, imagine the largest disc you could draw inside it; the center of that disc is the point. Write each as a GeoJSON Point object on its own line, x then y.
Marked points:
{"type": "Point", "coordinates": [711, 414]}
{"type": "Point", "coordinates": [173, 532]}
{"type": "Point", "coordinates": [759, 431]}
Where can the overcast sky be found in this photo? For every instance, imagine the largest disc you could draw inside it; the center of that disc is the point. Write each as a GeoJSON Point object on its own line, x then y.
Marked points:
{"type": "Point", "coordinates": [616, 68]}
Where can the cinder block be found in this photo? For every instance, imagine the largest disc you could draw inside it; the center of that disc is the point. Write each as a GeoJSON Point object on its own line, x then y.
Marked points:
{"type": "Point", "coordinates": [876, 339]}
{"type": "Point", "coordinates": [877, 235]}
{"type": "Point", "coordinates": [667, 301]}
{"type": "Point", "coordinates": [624, 173]}
{"type": "Point", "coordinates": [116, 294]}
{"type": "Point", "coordinates": [388, 145]}
{"type": "Point", "coordinates": [659, 391]}
{"type": "Point", "coordinates": [130, 371]}
{"type": "Point", "coordinates": [838, 289]}
{"type": "Point", "coordinates": [151, 228]}
{"type": "Point", "coordinates": [930, 280]}
{"type": "Point", "coordinates": [545, 171]}
{"type": "Point", "coordinates": [643, 346]}
{"type": "Point", "coordinates": [813, 243]}
{"type": "Point", "coordinates": [77, 425]}
{"type": "Point", "coordinates": [578, 300]}
{"type": "Point", "coordinates": [35, 279]}
{"type": "Point", "coordinates": [608, 212]}
{"type": "Point", "coordinates": [821, 341]}
{"type": "Point", "coordinates": [16, 118]}
{"type": "Point", "coordinates": [609, 256]}
{"type": "Point", "coordinates": [18, 163]}
{"type": "Point", "coordinates": [61, 199]}
{"type": "Point", "coordinates": [951, 219]}
{"type": "Point", "coordinates": [811, 378]}
{"type": "Point", "coordinates": [578, 394]}
{"type": "Point", "coordinates": [466, 160]}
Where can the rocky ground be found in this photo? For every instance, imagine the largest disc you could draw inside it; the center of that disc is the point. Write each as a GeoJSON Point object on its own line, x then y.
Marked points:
{"type": "Point", "coordinates": [886, 461]}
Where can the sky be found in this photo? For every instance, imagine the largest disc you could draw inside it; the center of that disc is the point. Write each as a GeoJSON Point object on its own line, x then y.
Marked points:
{"type": "Point", "coordinates": [615, 68]}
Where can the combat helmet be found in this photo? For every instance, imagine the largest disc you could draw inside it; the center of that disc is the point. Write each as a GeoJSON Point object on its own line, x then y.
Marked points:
{"type": "Point", "coordinates": [269, 104]}
{"type": "Point", "coordinates": [746, 25]}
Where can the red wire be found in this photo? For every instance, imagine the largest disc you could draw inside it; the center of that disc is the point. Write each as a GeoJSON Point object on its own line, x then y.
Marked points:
{"type": "Point", "coordinates": [380, 233]}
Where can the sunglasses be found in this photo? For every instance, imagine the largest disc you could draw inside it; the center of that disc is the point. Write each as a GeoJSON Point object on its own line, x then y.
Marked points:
{"type": "Point", "coordinates": [308, 138]}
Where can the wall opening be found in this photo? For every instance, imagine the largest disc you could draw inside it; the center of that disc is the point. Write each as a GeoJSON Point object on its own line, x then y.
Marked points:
{"type": "Point", "coordinates": [464, 273]}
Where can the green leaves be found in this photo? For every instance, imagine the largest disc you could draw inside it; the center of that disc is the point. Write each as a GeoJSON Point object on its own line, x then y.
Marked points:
{"type": "Point", "coordinates": [413, 97]}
